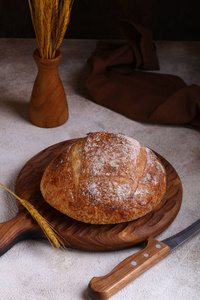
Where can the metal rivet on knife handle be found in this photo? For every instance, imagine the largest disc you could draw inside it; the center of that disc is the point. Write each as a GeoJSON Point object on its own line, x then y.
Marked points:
{"type": "Point", "coordinates": [101, 288]}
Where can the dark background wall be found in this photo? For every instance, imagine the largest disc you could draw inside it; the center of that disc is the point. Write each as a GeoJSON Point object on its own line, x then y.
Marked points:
{"type": "Point", "coordinates": [168, 19]}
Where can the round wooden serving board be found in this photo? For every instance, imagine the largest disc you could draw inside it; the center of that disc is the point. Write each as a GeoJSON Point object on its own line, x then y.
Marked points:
{"type": "Point", "coordinates": [77, 234]}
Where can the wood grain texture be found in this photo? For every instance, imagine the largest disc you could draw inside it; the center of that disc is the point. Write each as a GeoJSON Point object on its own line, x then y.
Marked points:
{"type": "Point", "coordinates": [77, 234]}
{"type": "Point", "coordinates": [102, 288]}
{"type": "Point", "coordinates": [48, 104]}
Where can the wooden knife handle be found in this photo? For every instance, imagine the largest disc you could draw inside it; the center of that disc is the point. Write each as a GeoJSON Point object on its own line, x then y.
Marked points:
{"type": "Point", "coordinates": [104, 287]}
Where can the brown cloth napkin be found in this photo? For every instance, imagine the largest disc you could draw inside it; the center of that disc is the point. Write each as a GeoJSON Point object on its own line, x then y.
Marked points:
{"type": "Point", "coordinates": [118, 81]}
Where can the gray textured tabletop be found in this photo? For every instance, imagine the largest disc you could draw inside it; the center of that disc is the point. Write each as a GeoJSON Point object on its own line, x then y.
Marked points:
{"type": "Point", "coordinates": [32, 269]}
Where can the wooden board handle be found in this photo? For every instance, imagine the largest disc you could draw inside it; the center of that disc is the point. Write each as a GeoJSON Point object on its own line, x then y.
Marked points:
{"type": "Point", "coordinates": [104, 287]}
{"type": "Point", "coordinates": [15, 230]}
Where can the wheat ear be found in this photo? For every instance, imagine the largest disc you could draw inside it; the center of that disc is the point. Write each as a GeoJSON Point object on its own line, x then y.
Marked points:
{"type": "Point", "coordinates": [64, 17]}
{"type": "Point", "coordinates": [47, 29]}
{"type": "Point", "coordinates": [55, 12]}
{"type": "Point", "coordinates": [32, 11]}
{"type": "Point", "coordinates": [47, 228]}
{"type": "Point", "coordinates": [39, 19]}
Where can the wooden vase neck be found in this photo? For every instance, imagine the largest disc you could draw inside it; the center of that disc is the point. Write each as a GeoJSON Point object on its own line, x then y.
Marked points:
{"type": "Point", "coordinates": [47, 64]}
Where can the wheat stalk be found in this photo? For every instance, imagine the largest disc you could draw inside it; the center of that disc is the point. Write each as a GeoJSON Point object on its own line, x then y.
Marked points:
{"type": "Point", "coordinates": [47, 29]}
{"type": "Point", "coordinates": [34, 25]}
{"type": "Point", "coordinates": [64, 16]}
{"type": "Point", "coordinates": [50, 20]}
{"type": "Point", "coordinates": [55, 12]}
{"type": "Point", "coordinates": [39, 19]}
{"type": "Point", "coordinates": [46, 227]}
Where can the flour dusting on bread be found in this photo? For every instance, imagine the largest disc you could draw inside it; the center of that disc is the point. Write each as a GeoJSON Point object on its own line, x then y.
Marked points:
{"type": "Point", "coordinates": [104, 178]}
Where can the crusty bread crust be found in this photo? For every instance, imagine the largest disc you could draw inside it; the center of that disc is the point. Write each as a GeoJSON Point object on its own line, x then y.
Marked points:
{"type": "Point", "coordinates": [104, 178]}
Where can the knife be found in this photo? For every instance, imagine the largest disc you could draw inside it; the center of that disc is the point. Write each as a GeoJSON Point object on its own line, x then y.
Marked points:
{"type": "Point", "coordinates": [101, 288]}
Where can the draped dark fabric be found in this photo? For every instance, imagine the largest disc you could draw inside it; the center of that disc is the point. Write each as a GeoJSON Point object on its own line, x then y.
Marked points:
{"type": "Point", "coordinates": [122, 80]}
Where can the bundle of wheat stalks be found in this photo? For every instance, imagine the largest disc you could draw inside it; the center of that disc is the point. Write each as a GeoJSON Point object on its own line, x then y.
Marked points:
{"type": "Point", "coordinates": [50, 20]}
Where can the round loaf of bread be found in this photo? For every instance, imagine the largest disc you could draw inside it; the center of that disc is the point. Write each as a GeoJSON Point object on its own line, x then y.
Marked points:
{"type": "Point", "coordinates": [104, 178]}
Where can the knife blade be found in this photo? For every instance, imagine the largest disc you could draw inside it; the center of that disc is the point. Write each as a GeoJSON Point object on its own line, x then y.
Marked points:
{"type": "Point", "coordinates": [102, 288]}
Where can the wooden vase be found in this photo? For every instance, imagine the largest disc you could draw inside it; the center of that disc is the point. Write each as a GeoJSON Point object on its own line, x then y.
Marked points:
{"type": "Point", "coordinates": [48, 104]}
